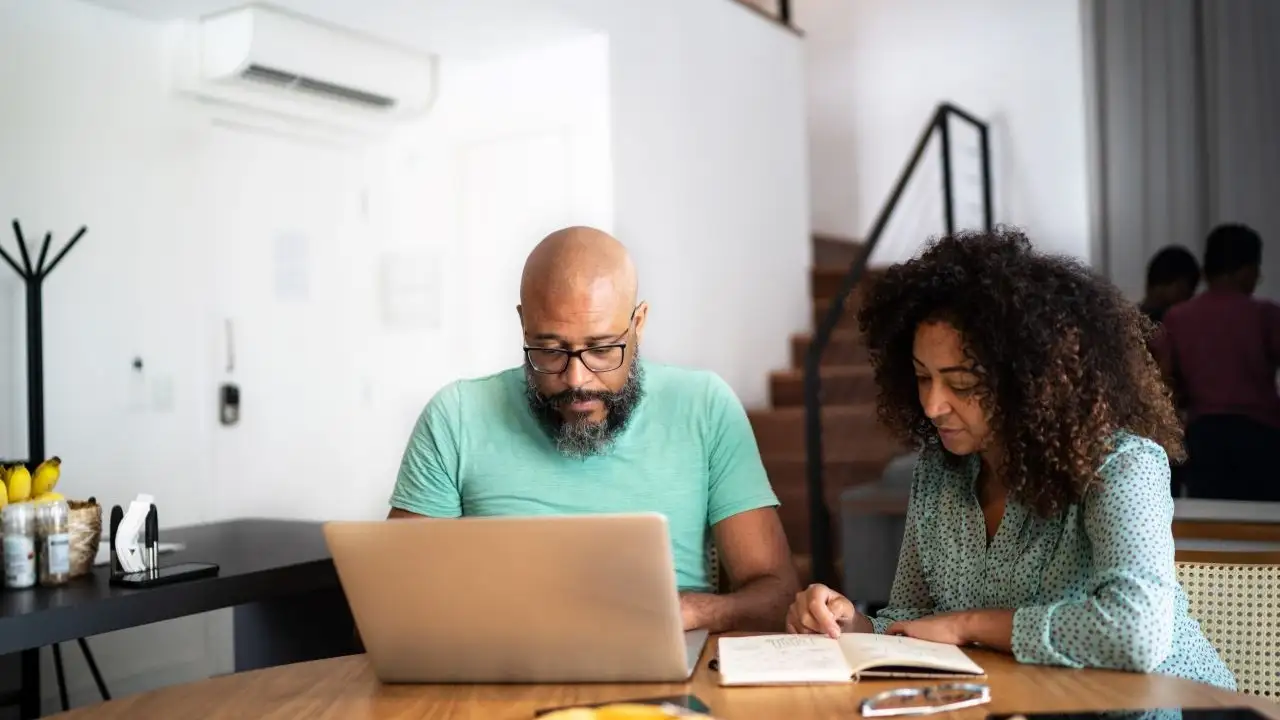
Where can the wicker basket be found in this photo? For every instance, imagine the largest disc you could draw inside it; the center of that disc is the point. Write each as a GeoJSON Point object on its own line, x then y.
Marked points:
{"type": "Point", "coordinates": [85, 525]}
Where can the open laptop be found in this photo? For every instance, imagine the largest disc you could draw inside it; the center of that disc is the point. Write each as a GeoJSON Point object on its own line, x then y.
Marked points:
{"type": "Point", "coordinates": [552, 599]}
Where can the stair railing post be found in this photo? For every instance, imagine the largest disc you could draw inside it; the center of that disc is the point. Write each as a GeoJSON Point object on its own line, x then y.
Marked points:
{"type": "Point", "coordinates": [948, 191]}
{"type": "Point", "coordinates": [820, 532]}
{"type": "Point", "coordinates": [984, 153]}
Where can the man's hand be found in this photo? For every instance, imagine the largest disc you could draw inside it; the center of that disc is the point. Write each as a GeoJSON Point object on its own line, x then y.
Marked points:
{"type": "Point", "coordinates": [950, 628]}
{"type": "Point", "coordinates": [819, 609]}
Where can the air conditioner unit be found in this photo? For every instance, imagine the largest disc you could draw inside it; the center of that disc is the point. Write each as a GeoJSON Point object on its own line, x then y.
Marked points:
{"type": "Point", "coordinates": [262, 59]}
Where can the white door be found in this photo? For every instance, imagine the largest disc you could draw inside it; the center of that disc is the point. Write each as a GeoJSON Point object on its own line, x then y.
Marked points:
{"type": "Point", "coordinates": [290, 283]}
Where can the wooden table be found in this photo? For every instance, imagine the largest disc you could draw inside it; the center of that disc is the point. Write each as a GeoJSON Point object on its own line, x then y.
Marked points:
{"type": "Point", "coordinates": [1226, 520]}
{"type": "Point", "coordinates": [1235, 511]}
{"type": "Point", "coordinates": [346, 688]}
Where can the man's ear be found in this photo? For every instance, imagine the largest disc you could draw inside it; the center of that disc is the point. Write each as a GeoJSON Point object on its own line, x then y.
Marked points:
{"type": "Point", "coordinates": [642, 315]}
{"type": "Point", "coordinates": [520, 314]}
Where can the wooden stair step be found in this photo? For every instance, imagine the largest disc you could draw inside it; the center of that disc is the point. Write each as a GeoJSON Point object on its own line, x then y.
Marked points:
{"type": "Point", "coordinates": [830, 251]}
{"type": "Point", "coordinates": [850, 433]}
{"type": "Point", "coordinates": [825, 282]}
{"type": "Point", "coordinates": [845, 348]}
{"type": "Point", "coordinates": [788, 476]}
{"type": "Point", "coordinates": [788, 471]}
{"type": "Point", "coordinates": [848, 318]}
{"type": "Point", "coordinates": [841, 385]}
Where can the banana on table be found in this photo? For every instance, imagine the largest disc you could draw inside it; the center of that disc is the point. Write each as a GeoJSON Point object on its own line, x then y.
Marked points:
{"type": "Point", "coordinates": [17, 484]}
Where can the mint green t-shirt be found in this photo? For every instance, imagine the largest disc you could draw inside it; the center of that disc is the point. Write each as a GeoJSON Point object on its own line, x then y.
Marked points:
{"type": "Point", "coordinates": [688, 452]}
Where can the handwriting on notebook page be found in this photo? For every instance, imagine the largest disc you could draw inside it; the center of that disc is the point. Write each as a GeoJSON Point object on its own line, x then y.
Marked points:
{"type": "Point", "coordinates": [784, 642]}
{"type": "Point", "coordinates": [794, 652]}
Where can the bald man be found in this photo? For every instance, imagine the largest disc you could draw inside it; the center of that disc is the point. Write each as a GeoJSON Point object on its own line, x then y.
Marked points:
{"type": "Point", "coordinates": [586, 426]}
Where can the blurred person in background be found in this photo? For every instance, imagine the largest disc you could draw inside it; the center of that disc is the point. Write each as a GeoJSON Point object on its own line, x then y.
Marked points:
{"type": "Point", "coordinates": [1173, 274]}
{"type": "Point", "coordinates": [1220, 352]}
{"type": "Point", "coordinates": [1172, 277]}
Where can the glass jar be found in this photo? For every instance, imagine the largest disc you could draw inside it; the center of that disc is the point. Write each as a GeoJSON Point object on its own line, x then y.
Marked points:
{"type": "Point", "coordinates": [19, 529]}
{"type": "Point", "coordinates": [53, 533]}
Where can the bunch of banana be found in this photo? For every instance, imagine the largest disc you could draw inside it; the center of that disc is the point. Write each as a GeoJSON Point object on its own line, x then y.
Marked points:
{"type": "Point", "coordinates": [46, 478]}
{"type": "Point", "coordinates": [19, 485]}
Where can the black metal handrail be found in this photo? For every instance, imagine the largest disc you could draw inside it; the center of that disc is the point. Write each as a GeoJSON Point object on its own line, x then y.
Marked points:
{"type": "Point", "coordinates": [823, 564]}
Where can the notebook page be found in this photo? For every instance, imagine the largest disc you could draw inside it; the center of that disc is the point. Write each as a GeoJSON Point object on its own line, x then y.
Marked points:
{"type": "Point", "coordinates": [776, 659]}
{"type": "Point", "coordinates": [866, 650]}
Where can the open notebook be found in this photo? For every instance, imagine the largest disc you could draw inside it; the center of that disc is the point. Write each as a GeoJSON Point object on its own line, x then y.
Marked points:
{"type": "Point", "coordinates": [789, 659]}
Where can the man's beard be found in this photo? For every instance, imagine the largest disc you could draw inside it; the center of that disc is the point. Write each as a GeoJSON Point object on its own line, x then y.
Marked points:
{"type": "Point", "coordinates": [579, 437]}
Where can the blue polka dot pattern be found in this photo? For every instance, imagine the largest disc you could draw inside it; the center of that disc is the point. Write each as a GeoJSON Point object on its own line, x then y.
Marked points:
{"type": "Point", "coordinates": [1093, 586]}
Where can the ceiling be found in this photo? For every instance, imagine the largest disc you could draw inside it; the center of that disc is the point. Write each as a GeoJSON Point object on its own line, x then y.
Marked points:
{"type": "Point", "coordinates": [465, 29]}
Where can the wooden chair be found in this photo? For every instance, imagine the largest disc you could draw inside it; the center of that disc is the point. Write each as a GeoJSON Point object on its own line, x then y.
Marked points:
{"type": "Point", "coordinates": [1235, 596]}
{"type": "Point", "coordinates": [715, 570]}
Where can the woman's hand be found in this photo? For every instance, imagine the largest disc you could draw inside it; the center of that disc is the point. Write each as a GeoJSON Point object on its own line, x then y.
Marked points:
{"type": "Point", "coordinates": [819, 609]}
{"type": "Point", "coordinates": [949, 628]}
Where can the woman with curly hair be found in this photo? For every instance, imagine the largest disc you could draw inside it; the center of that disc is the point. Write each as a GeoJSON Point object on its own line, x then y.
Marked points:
{"type": "Point", "coordinates": [1040, 514]}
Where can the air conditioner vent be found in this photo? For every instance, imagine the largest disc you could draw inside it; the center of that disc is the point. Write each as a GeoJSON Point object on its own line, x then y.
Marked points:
{"type": "Point", "coordinates": [264, 74]}
{"type": "Point", "coordinates": [332, 91]}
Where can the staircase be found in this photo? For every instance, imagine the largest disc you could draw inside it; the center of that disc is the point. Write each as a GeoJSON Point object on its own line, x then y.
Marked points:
{"type": "Point", "coordinates": [856, 447]}
{"type": "Point", "coordinates": [836, 425]}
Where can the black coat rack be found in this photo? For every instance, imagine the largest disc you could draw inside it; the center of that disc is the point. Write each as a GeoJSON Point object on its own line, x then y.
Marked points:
{"type": "Point", "coordinates": [33, 276]}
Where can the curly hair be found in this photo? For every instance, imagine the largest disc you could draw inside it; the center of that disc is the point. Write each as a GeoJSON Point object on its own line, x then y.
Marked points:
{"type": "Point", "coordinates": [1061, 356]}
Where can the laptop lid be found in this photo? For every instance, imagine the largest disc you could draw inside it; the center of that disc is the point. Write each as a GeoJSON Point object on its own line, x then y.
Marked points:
{"type": "Point", "coordinates": [553, 599]}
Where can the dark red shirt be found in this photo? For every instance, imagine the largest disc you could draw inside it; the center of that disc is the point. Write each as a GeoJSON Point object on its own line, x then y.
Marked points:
{"type": "Point", "coordinates": [1223, 349]}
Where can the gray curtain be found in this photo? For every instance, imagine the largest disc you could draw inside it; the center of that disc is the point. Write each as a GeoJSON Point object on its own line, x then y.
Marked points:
{"type": "Point", "coordinates": [1186, 128]}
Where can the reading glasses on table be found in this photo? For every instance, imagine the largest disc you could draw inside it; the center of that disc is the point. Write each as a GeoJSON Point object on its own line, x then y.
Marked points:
{"type": "Point", "coordinates": [926, 700]}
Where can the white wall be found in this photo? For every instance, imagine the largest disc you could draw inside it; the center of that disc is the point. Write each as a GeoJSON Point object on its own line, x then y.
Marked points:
{"type": "Point", "coordinates": [12, 380]}
{"type": "Point", "coordinates": [518, 146]}
{"type": "Point", "coordinates": [181, 220]}
{"type": "Point", "coordinates": [88, 137]}
{"type": "Point", "coordinates": [708, 189]}
{"type": "Point", "coordinates": [876, 70]}
{"type": "Point", "coordinates": [108, 151]}
{"type": "Point", "coordinates": [709, 151]}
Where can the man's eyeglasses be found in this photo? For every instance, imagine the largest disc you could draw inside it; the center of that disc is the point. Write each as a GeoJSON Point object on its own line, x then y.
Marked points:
{"type": "Point", "coordinates": [927, 700]}
{"type": "Point", "coordinates": [598, 358]}
{"type": "Point", "coordinates": [553, 361]}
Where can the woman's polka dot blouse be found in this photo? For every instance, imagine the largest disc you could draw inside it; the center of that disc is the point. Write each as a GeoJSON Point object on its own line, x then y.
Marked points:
{"type": "Point", "coordinates": [1093, 586]}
